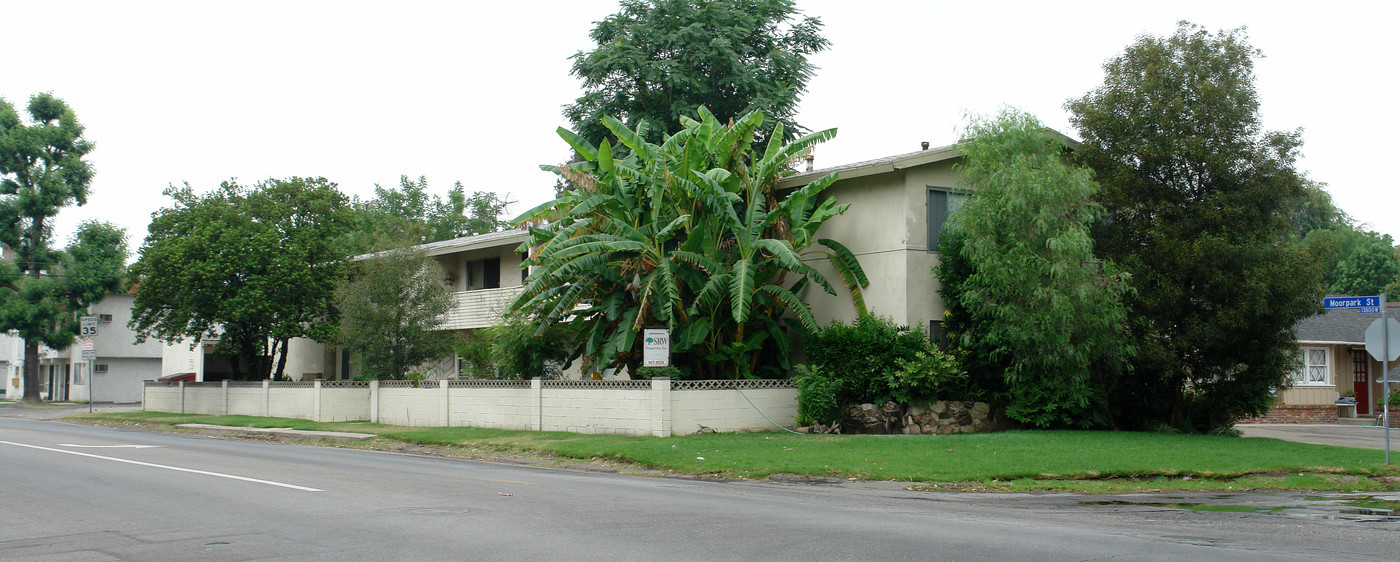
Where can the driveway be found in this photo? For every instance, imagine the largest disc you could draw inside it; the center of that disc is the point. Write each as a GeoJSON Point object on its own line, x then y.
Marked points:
{"type": "Point", "coordinates": [1323, 434]}
{"type": "Point", "coordinates": [57, 410]}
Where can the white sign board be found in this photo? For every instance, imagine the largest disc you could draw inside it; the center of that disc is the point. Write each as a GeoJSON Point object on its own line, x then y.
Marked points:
{"type": "Point", "coordinates": [1376, 339]}
{"type": "Point", "coordinates": [89, 350]}
{"type": "Point", "coordinates": [656, 347]}
{"type": "Point", "coordinates": [87, 326]}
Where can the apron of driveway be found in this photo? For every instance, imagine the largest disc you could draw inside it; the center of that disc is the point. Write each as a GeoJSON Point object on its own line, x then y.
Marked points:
{"type": "Point", "coordinates": [1366, 437]}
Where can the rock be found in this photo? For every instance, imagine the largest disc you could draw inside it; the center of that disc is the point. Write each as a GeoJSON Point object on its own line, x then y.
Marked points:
{"type": "Point", "coordinates": [962, 418]}
{"type": "Point", "coordinates": [862, 418]}
{"type": "Point", "coordinates": [938, 407]}
{"type": "Point", "coordinates": [918, 408]}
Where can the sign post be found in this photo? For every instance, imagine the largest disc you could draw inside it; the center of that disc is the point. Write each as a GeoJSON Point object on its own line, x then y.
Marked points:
{"type": "Point", "coordinates": [87, 329]}
{"type": "Point", "coordinates": [1379, 344]}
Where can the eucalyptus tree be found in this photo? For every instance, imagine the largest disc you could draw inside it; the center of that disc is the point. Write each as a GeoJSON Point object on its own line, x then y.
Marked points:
{"type": "Point", "coordinates": [689, 234]}
{"type": "Point", "coordinates": [44, 289]}
{"type": "Point", "coordinates": [1037, 302]}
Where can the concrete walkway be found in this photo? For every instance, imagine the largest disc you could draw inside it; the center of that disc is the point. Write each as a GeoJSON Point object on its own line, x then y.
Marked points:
{"type": "Point", "coordinates": [1324, 434]}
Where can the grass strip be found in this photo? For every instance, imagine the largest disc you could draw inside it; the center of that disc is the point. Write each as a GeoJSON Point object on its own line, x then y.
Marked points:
{"type": "Point", "coordinates": [1091, 461]}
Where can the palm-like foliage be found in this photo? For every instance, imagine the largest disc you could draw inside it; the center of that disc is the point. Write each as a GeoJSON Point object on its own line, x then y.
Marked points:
{"type": "Point", "coordinates": [689, 234]}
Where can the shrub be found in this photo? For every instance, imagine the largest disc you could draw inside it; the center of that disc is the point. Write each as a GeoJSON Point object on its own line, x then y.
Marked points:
{"type": "Point", "coordinates": [931, 373]}
{"type": "Point", "coordinates": [816, 396]}
{"type": "Point", "coordinates": [518, 353]}
{"type": "Point", "coordinates": [862, 355]}
{"type": "Point", "coordinates": [670, 372]}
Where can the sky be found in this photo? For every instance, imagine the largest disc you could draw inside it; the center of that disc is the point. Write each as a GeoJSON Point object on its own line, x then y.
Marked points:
{"type": "Point", "coordinates": [365, 92]}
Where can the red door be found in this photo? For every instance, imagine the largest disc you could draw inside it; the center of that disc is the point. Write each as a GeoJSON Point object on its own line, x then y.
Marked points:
{"type": "Point", "coordinates": [1361, 380]}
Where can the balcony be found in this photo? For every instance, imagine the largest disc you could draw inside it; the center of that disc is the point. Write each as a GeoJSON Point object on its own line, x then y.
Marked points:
{"type": "Point", "coordinates": [479, 309]}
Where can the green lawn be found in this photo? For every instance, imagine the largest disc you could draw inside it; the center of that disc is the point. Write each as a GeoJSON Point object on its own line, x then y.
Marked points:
{"type": "Point", "coordinates": [1093, 461]}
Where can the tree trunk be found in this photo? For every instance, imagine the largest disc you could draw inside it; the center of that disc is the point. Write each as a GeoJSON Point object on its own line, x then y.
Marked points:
{"type": "Point", "coordinates": [281, 357]}
{"type": "Point", "coordinates": [31, 372]}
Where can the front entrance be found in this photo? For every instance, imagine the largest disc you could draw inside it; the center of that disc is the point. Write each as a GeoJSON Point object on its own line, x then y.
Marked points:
{"type": "Point", "coordinates": [1361, 380]}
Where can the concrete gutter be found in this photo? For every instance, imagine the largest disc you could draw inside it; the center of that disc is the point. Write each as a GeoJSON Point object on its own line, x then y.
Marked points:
{"type": "Point", "coordinates": [284, 431]}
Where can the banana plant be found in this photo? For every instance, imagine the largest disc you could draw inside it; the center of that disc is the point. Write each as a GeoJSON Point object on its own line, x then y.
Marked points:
{"type": "Point", "coordinates": [689, 234]}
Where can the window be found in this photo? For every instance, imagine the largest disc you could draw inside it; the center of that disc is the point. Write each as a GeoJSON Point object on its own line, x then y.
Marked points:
{"type": "Point", "coordinates": [99, 368]}
{"type": "Point", "coordinates": [941, 205]}
{"type": "Point", "coordinates": [104, 318]}
{"type": "Point", "coordinates": [1312, 367]}
{"type": "Point", "coordinates": [936, 335]}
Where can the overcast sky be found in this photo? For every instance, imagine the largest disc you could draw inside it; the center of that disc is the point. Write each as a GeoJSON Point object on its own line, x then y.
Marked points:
{"type": "Point", "coordinates": [363, 92]}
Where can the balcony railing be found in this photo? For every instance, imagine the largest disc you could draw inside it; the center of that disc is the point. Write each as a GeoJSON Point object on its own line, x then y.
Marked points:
{"type": "Point", "coordinates": [480, 308]}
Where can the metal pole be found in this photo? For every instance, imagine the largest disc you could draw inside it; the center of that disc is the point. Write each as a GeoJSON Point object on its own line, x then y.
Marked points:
{"type": "Point", "coordinates": [92, 382]}
{"type": "Point", "coordinates": [1385, 377]}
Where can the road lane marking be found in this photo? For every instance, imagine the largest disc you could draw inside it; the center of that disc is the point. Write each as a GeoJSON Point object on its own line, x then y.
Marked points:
{"type": "Point", "coordinates": [168, 467]}
{"type": "Point", "coordinates": [109, 446]}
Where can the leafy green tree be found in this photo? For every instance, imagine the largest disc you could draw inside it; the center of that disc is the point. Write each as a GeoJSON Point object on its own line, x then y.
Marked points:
{"type": "Point", "coordinates": [1200, 202]}
{"type": "Point", "coordinates": [391, 308]}
{"type": "Point", "coordinates": [1041, 303]}
{"type": "Point", "coordinates": [656, 61]}
{"type": "Point", "coordinates": [44, 290]}
{"type": "Point", "coordinates": [1367, 267]}
{"type": "Point", "coordinates": [689, 234]}
{"type": "Point", "coordinates": [253, 267]}
{"type": "Point", "coordinates": [411, 215]}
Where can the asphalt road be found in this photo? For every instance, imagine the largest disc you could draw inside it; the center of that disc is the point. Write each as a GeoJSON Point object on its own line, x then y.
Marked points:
{"type": "Point", "coordinates": [74, 492]}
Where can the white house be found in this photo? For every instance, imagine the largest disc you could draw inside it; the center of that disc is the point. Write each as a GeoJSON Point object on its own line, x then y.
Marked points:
{"type": "Point", "coordinates": [116, 374]}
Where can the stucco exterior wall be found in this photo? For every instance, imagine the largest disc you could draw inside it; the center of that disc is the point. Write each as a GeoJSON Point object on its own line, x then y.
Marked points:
{"type": "Point", "coordinates": [886, 227]}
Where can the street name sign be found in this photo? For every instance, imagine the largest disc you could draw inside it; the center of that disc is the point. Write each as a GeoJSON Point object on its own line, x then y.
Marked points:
{"type": "Point", "coordinates": [1364, 305]}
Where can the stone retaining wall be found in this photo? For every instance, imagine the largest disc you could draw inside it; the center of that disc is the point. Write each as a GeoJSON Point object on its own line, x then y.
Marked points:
{"type": "Point", "coordinates": [942, 417]}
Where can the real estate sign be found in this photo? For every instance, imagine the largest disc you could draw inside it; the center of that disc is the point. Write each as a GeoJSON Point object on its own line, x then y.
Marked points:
{"type": "Point", "coordinates": [656, 347]}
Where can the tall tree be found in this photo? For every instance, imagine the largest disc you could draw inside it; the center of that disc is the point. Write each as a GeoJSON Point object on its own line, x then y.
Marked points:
{"type": "Point", "coordinates": [43, 291]}
{"type": "Point", "coordinates": [252, 267]}
{"type": "Point", "coordinates": [658, 60]}
{"type": "Point", "coordinates": [390, 309]}
{"type": "Point", "coordinates": [689, 234]}
{"type": "Point", "coordinates": [1037, 297]}
{"type": "Point", "coordinates": [410, 215]}
{"type": "Point", "coordinates": [1200, 202]}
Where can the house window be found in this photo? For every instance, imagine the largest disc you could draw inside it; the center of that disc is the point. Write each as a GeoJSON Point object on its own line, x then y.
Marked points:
{"type": "Point", "coordinates": [936, 335]}
{"type": "Point", "coordinates": [484, 274]}
{"type": "Point", "coordinates": [941, 205]}
{"type": "Point", "coordinates": [104, 318]}
{"type": "Point", "coordinates": [1312, 367]}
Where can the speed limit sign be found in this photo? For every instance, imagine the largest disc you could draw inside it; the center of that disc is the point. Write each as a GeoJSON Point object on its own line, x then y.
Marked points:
{"type": "Point", "coordinates": [87, 326]}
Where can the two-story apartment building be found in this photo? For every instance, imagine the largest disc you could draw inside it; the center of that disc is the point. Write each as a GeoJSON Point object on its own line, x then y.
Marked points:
{"type": "Point", "coordinates": [482, 272]}
{"type": "Point", "coordinates": [114, 376]}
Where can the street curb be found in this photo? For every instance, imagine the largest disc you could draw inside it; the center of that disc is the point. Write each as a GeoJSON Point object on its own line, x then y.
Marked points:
{"type": "Point", "coordinates": [342, 435]}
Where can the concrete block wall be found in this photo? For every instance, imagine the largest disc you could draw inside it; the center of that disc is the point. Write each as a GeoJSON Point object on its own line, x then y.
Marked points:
{"type": "Point", "coordinates": [498, 408]}
{"type": "Point", "coordinates": [728, 410]}
{"type": "Point", "coordinates": [615, 407]}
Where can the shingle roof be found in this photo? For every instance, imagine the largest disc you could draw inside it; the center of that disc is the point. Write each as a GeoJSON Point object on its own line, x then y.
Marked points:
{"type": "Point", "coordinates": [1343, 325]}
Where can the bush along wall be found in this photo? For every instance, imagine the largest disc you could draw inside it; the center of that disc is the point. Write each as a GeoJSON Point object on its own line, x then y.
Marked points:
{"type": "Point", "coordinates": [874, 376]}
